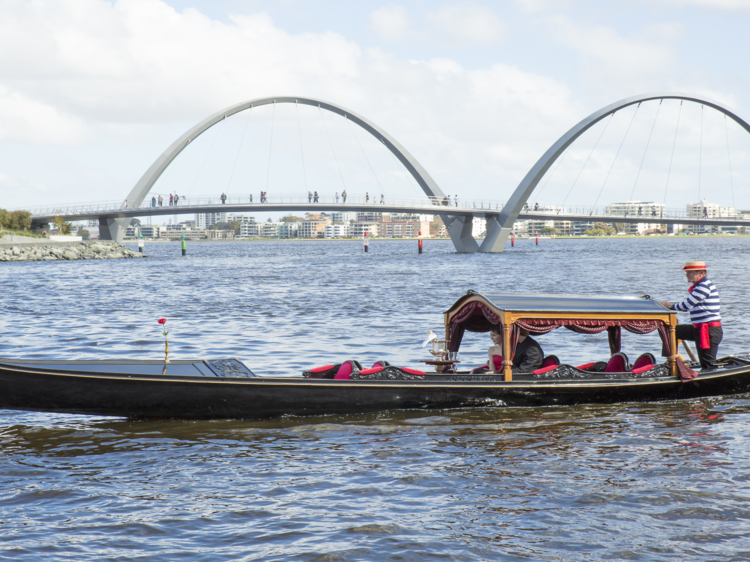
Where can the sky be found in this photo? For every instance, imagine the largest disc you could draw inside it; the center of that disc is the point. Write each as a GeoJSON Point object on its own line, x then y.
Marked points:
{"type": "Point", "coordinates": [92, 92]}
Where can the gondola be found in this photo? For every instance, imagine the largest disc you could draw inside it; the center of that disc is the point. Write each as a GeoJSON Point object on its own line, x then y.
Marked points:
{"type": "Point", "coordinates": [226, 388]}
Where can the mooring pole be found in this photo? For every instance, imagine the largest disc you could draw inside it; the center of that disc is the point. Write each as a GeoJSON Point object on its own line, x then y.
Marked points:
{"type": "Point", "coordinates": [184, 251]}
{"type": "Point", "coordinates": [537, 239]}
{"type": "Point", "coordinates": [512, 240]}
{"type": "Point", "coordinates": [419, 237]}
{"type": "Point", "coordinates": [367, 242]}
{"type": "Point", "coordinates": [140, 242]}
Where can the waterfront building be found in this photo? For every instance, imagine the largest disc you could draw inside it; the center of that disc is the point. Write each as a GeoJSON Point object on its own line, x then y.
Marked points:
{"type": "Point", "coordinates": [336, 230]}
{"type": "Point", "coordinates": [341, 217]}
{"type": "Point", "coordinates": [251, 230]}
{"type": "Point", "coordinates": [478, 227]}
{"type": "Point", "coordinates": [370, 216]}
{"type": "Point", "coordinates": [204, 220]}
{"type": "Point", "coordinates": [704, 209]}
{"type": "Point", "coordinates": [358, 229]}
{"type": "Point", "coordinates": [241, 218]}
{"type": "Point", "coordinates": [288, 230]}
{"type": "Point", "coordinates": [646, 209]}
{"type": "Point", "coordinates": [313, 226]}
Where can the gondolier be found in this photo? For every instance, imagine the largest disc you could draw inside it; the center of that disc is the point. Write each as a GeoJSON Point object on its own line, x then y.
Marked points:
{"type": "Point", "coordinates": [704, 306]}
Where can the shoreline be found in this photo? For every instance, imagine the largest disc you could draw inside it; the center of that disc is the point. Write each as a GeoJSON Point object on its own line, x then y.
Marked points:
{"type": "Point", "coordinates": [618, 237]}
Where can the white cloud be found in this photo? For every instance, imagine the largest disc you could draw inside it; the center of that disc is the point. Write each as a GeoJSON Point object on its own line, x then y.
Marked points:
{"type": "Point", "coordinates": [713, 4]}
{"type": "Point", "coordinates": [468, 24]}
{"type": "Point", "coordinates": [390, 22]}
{"type": "Point", "coordinates": [612, 58]}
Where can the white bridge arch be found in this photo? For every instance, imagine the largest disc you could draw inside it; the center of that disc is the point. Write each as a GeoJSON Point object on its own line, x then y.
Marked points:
{"type": "Point", "coordinates": [499, 223]}
{"type": "Point", "coordinates": [500, 226]}
{"type": "Point", "coordinates": [114, 228]}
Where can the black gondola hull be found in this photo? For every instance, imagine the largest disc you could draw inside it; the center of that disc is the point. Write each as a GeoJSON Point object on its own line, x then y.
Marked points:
{"type": "Point", "coordinates": [198, 397]}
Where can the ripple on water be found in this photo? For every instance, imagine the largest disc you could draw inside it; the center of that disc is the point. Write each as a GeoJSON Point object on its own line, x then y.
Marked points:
{"type": "Point", "coordinates": [639, 481]}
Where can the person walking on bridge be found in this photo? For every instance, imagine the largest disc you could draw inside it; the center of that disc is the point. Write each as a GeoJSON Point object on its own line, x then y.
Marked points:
{"type": "Point", "coordinates": [367, 196]}
{"type": "Point", "coordinates": [337, 197]}
{"type": "Point", "coordinates": [315, 197]}
{"type": "Point", "coordinates": [171, 199]}
{"type": "Point", "coordinates": [704, 306]}
{"type": "Point", "coordinates": [153, 201]}
{"type": "Point", "coordinates": [343, 196]}
{"type": "Point", "coordinates": [176, 199]}
{"type": "Point", "coordinates": [455, 200]}
{"type": "Point", "coordinates": [309, 196]}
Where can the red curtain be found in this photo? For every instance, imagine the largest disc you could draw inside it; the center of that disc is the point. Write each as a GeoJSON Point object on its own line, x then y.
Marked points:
{"type": "Point", "coordinates": [477, 317]}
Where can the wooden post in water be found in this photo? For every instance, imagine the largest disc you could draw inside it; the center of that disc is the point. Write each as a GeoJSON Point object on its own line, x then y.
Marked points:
{"type": "Point", "coordinates": [419, 237]}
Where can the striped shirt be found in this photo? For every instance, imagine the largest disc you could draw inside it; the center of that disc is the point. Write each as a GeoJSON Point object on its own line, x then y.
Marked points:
{"type": "Point", "coordinates": [703, 303]}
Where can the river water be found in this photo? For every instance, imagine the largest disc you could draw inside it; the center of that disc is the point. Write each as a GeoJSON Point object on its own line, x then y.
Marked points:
{"type": "Point", "coordinates": [664, 481]}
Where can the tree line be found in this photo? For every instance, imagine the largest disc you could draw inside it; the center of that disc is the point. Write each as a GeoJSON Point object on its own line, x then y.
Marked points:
{"type": "Point", "coordinates": [15, 220]}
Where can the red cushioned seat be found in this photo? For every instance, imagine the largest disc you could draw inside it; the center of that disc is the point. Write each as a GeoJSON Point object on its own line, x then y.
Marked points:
{"type": "Point", "coordinates": [644, 359]}
{"type": "Point", "coordinates": [617, 364]}
{"type": "Point", "coordinates": [371, 371]}
{"type": "Point", "coordinates": [643, 369]}
{"type": "Point", "coordinates": [586, 366]}
{"type": "Point", "coordinates": [544, 369]}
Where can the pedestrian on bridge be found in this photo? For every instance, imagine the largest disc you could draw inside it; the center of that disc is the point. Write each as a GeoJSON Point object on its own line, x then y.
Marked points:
{"type": "Point", "coordinates": [161, 201]}
{"type": "Point", "coordinates": [315, 197]}
{"type": "Point", "coordinates": [455, 200]}
{"type": "Point", "coordinates": [367, 196]}
{"type": "Point", "coordinates": [382, 199]}
{"type": "Point", "coordinates": [251, 198]}
{"type": "Point", "coordinates": [343, 196]}
{"type": "Point", "coordinates": [171, 199]}
{"type": "Point", "coordinates": [337, 197]}
{"type": "Point", "coordinates": [153, 201]}
{"type": "Point", "coordinates": [176, 199]}
{"type": "Point", "coordinates": [309, 196]}
{"type": "Point", "coordinates": [223, 198]}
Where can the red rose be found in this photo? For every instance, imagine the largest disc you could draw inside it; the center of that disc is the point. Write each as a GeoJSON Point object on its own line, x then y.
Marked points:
{"type": "Point", "coordinates": [162, 320]}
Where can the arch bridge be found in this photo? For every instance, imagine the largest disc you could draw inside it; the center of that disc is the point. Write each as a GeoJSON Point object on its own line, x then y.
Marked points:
{"type": "Point", "coordinates": [458, 221]}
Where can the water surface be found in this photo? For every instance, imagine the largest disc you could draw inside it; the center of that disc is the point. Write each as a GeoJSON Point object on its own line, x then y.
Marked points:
{"type": "Point", "coordinates": [659, 481]}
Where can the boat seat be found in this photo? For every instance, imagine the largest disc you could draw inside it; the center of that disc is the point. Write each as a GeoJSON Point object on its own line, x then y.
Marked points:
{"type": "Point", "coordinates": [644, 360]}
{"type": "Point", "coordinates": [549, 363]}
{"type": "Point", "coordinates": [323, 372]}
{"type": "Point", "coordinates": [380, 363]}
{"type": "Point", "coordinates": [346, 370]}
{"type": "Point", "coordinates": [618, 363]}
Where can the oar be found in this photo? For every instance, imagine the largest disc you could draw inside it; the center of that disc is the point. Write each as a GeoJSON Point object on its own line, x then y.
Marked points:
{"type": "Point", "coordinates": [689, 351]}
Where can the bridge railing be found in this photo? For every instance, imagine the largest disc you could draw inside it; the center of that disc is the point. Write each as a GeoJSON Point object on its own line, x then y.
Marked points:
{"type": "Point", "coordinates": [330, 202]}
{"type": "Point", "coordinates": [326, 202]}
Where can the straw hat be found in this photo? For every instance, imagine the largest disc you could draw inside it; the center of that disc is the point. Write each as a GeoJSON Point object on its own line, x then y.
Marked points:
{"type": "Point", "coordinates": [695, 265]}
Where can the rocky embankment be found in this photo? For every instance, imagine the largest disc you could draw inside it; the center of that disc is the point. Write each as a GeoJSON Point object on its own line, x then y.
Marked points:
{"type": "Point", "coordinates": [82, 251]}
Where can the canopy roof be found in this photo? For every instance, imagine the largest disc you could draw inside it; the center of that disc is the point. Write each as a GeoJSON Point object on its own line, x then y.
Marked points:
{"type": "Point", "coordinates": [561, 304]}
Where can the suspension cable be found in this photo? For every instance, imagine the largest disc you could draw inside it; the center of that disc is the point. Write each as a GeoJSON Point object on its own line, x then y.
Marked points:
{"type": "Point", "coordinates": [332, 149]}
{"type": "Point", "coordinates": [242, 141]}
{"type": "Point", "coordinates": [363, 153]}
{"type": "Point", "coordinates": [729, 157]}
{"type": "Point", "coordinates": [210, 148]}
{"type": "Point", "coordinates": [674, 142]}
{"type": "Point", "coordinates": [302, 153]}
{"type": "Point", "coordinates": [406, 177]}
{"type": "Point", "coordinates": [700, 155]}
{"type": "Point", "coordinates": [587, 158]}
{"type": "Point", "coordinates": [646, 149]}
{"type": "Point", "coordinates": [270, 144]}
{"type": "Point", "coordinates": [616, 155]}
